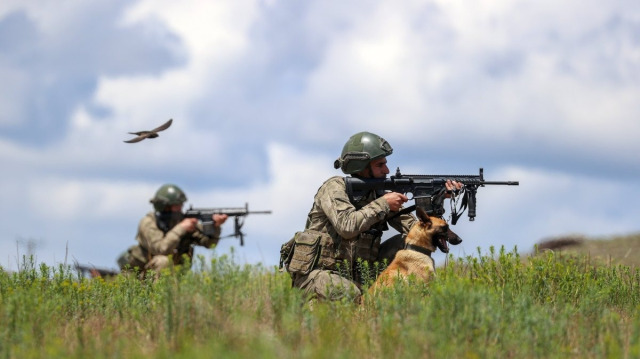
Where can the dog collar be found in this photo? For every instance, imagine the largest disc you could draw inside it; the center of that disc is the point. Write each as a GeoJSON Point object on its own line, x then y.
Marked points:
{"type": "Point", "coordinates": [419, 249]}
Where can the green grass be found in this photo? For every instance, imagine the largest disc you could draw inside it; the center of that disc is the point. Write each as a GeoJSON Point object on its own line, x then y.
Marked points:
{"type": "Point", "coordinates": [495, 304]}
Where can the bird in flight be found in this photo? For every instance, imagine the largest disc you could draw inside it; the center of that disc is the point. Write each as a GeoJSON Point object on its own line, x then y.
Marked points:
{"type": "Point", "coordinates": [149, 134]}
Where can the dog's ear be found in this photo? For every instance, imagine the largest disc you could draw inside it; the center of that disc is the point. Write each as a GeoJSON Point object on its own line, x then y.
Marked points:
{"type": "Point", "coordinates": [423, 216]}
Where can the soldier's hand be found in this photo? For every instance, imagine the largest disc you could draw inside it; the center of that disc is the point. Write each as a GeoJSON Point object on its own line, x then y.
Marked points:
{"type": "Point", "coordinates": [452, 186]}
{"type": "Point", "coordinates": [189, 224]}
{"type": "Point", "coordinates": [395, 200]}
{"type": "Point", "coordinates": [219, 219]}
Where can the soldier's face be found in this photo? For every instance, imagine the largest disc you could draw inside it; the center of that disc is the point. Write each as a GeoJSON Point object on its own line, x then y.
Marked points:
{"type": "Point", "coordinates": [378, 168]}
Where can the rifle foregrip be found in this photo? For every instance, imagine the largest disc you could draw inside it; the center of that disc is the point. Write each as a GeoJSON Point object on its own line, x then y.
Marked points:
{"type": "Point", "coordinates": [472, 206]}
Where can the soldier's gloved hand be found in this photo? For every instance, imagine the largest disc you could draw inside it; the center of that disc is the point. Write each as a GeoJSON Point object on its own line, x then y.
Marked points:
{"type": "Point", "coordinates": [189, 224]}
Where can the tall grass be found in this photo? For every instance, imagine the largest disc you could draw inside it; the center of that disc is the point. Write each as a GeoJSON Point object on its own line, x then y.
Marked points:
{"type": "Point", "coordinates": [491, 305]}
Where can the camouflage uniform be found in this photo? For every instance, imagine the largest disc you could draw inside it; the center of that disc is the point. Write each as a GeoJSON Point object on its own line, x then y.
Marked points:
{"type": "Point", "coordinates": [155, 245]}
{"type": "Point", "coordinates": [355, 231]}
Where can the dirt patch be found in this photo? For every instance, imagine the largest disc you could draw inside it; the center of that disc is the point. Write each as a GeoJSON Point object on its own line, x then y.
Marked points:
{"type": "Point", "coordinates": [560, 243]}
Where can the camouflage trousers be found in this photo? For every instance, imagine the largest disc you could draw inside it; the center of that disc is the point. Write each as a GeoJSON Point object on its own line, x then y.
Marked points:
{"type": "Point", "coordinates": [327, 285]}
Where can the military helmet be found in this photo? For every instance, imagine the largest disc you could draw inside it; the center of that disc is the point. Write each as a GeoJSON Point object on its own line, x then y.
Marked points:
{"type": "Point", "coordinates": [167, 195]}
{"type": "Point", "coordinates": [360, 150]}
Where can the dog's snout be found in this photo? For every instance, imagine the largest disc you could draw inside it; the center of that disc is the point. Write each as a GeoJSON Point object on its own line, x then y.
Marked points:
{"type": "Point", "coordinates": [453, 238]}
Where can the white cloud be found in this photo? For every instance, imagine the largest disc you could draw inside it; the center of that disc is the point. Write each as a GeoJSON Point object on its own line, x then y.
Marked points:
{"type": "Point", "coordinates": [214, 32]}
{"type": "Point", "coordinates": [400, 67]}
{"type": "Point", "coordinates": [68, 200]}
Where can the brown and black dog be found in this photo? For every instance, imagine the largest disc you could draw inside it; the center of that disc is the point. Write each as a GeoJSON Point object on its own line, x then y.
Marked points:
{"type": "Point", "coordinates": [427, 234]}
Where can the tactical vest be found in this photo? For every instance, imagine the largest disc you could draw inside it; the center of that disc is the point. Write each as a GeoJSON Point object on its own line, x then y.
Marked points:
{"type": "Point", "coordinates": [347, 256]}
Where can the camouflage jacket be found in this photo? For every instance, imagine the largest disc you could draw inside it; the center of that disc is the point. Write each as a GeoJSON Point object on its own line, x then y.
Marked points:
{"type": "Point", "coordinates": [153, 241]}
{"type": "Point", "coordinates": [355, 228]}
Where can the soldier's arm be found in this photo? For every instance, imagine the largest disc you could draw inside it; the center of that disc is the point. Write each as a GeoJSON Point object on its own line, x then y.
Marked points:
{"type": "Point", "coordinates": [157, 242]}
{"type": "Point", "coordinates": [402, 223]}
{"type": "Point", "coordinates": [345, 218]}
{"type": "Point", "coordinates": [202, 239]}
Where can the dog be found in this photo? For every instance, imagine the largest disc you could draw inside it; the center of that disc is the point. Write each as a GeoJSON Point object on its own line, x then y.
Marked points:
{"type": "Point", "coordinates": [426, 235]}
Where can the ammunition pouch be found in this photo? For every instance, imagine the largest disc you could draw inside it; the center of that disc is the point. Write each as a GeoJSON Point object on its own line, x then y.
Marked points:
{"type": "Point", "coordinates": [306, 251]}
{"type": "Point", "coordinates": [334, 252]}
{"type": "Point", "coordinates": [311, 249]}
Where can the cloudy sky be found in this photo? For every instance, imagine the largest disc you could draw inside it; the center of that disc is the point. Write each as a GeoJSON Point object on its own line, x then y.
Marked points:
{"type": "Point", "coordinates": [264, 95]}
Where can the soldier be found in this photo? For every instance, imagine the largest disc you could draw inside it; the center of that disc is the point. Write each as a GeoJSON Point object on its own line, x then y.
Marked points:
{"type": "Point", "coordinates": [165, 236]}
{"type": "Point", "coordinates": [335, 253]}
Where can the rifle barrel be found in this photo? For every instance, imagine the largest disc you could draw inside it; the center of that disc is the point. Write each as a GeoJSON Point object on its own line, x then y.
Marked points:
{"type": "Point", "coordinates": [240, 211]}
{"type": "Point", "coordinates": [504, 183]}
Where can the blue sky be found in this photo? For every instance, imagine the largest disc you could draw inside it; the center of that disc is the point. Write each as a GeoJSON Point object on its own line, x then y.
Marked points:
{"type": "Point", "coordinates": [265, 93]}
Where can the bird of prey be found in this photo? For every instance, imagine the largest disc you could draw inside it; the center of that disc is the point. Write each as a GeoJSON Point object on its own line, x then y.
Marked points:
{"type": "Point", "coordinates": [149, 134]}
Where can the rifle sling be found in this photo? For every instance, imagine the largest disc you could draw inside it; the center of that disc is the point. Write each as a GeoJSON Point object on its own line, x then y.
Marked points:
{"type": "Point", "coordinates": [463, 206]}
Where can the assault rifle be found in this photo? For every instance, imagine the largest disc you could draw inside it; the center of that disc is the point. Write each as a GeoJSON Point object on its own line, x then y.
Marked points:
{"type": "Point", "coordinates": [204, 215]}
{"type": "Point", "coordinates": [428, 191]}
{"type": "Point", "coordinates": [94, 272]}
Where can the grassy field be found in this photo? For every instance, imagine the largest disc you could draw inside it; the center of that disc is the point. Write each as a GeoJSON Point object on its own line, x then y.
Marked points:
{"type": "Point", "coordinates": [554, 304]}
